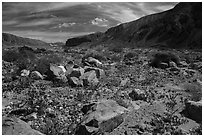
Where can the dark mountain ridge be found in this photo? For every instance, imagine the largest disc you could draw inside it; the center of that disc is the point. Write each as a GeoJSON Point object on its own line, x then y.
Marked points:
{"type": "Point", "coordinates": [180, 27]}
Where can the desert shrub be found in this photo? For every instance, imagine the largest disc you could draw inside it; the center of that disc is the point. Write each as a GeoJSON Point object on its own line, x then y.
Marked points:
{"type": "Point", "coordinates": [130, 55]}
{"type": "Point", "coordinates": [40, 50]}
{"type": "Point", "coordinates": [194, 89]}
{"type": "Point", "coordinates": [43, 64]}
{"type": "Point", "coordinates": [115, 58]}
{"type": "Point", "coordinates": [94, 54]}
{"type": "Point", "coordinates": [163, 57]}
{"type": "Point", "coordinates": [10, 55]}
{"type": "Point", "coordinates": [116, 49]}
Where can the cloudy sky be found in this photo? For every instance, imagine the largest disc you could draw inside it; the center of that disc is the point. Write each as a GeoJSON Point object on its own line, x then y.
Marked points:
{"type": "Point", "coordinates": [53, 22]}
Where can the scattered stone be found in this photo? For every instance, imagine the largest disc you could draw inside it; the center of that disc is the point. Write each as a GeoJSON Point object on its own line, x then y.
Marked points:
{"type": "Point", "coordinates": [183, 64]}
{"type": "Point", "coordinates": [124, 82]}
{"type": "Point", "coordinates": [163, 65]}
{"type": "Point", "coordinates": [172, 64]}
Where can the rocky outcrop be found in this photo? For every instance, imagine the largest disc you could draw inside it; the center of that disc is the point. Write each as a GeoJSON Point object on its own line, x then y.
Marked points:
{"type": "Point", "coordinates": [15, 126]}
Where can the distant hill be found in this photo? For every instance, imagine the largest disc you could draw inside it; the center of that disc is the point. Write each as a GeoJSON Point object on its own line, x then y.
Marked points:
{"type": "Point", "coordinates": [10, 40]}
{"type": "Point", "coordinates": [81, 39]}
{"type": "Point", "coordinates": [180, 27]}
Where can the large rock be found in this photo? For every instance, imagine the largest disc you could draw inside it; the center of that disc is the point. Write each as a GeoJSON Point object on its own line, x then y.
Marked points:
{"type": "Point", "coordinates": [89, 78]}
{"type": "Point", "coordinates": [99, 72]}
{"type": "Point", "coordinates": [15, 126]}
{"type": "Point", "coordinates": [57, 73]}
{"type": "Point", "coordinates": [102, 116]}
{"type": "Point", "coordinates": [193, 110]}
{"type": "Point", "coordinates": [36, 75]}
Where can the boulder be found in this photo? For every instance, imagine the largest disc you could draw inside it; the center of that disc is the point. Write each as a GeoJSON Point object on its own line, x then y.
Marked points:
{"type": "Point", "coordinates": [193, 110]}
{"type": "Point", "coordinates": [57, 73]}
{"type": "Point", "coordinates": [102, 116]}
{"type": "Point", "coordinates": [36, 75]}
{"type": "Point", "coordinates": [25, 73]}
{"type": "Point", "coordinates": [89, 78]}
{"type": "Point", "coordinates": [138, 94]}
{"type": "Point", "coordinates": [15, 126]}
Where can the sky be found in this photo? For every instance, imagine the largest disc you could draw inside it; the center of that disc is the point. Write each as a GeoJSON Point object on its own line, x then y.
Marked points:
{"type": "Point", "coordinates": [58, 21]}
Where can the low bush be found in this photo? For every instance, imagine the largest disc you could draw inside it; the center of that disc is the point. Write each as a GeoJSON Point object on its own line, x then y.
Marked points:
{"type": "Point", "coordinates": [10, 55]}
{"type": "Point", "coordinates": [163, 57]}
{"type": "Point", "coordinates": [116, 49]}
{"type": "Point", "coordinates": [43, 64]}
{"type": "Point", "coordinates": [94, 54]}
{"type": "Point", "coordinates": [130, 55]}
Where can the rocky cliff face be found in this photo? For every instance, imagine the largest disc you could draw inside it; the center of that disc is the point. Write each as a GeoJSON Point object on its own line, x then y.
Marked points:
{"type": "Point", "coordinates": [176, 28]}
{"type": "Point", "coordinates": [180, 27]}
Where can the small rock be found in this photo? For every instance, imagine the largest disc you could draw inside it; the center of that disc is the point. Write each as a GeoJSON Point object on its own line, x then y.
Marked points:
{"type": "Point", "coordinates": [25, 73]}
{"type": "Point", "coordinates": [124, 82]}
{"type": "Point", "coordinates": [183, 64]}
{"type": "Point", "coordinates": [172, 64]}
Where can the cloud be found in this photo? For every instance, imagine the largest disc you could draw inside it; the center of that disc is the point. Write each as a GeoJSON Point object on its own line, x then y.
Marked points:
{"type": "Point", "coordinates": [100, 22]}
{"type": "Point", "coordinates": [66, 25]}
{"type": "Point", "coordinates": [57, 20]}
{"type": "Point", "coordinates": [10, 22]}
{"type": "Point", "coordinates": [35, 23]}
